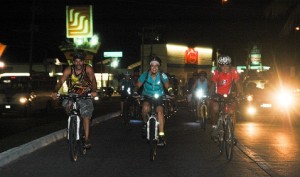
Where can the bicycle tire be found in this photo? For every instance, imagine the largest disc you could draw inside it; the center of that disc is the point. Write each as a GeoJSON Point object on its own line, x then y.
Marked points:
{"type": "Point", "coordinates": [221, 128]}
{"type": "Point", "coordinates": [203, 116]}
{"type": "Point", "coordinates": [198, 110]}
{"type": "Point", "coordinates": [125, 114]}
{"type": "Point", "coordinates": [229, 139]}
{"type": "Point", "coordinates": [82, 139]}
{"type": "Point", "coordinates": [72, 142]}
{"type": "Point", "coordinates": [152, 138]}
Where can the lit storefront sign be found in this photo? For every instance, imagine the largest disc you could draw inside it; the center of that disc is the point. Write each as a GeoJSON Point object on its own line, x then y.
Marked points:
{"type": "Point", "coordinates": [179, 54]}
{"type": "Point", "coordinates": [79, 21]}
{"type": "Point", "coordinates": [191, 56]}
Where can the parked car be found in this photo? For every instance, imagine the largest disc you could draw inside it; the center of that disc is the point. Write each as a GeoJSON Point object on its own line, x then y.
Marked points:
{"type": "Point", "coordinates": [105, 92]}
{"type": "Point", "coordinates": [23, 94]}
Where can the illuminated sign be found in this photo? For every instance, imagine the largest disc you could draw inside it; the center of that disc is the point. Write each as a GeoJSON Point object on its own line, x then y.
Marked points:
{"type": "Point", "coordinates": [2, 48]}
{"type": "Point", "coordinates": [79, 22]}
{"type": "Point", "coordinates": [191, 56]}
{"type": "Point", "coordinates": [180, 54]}
{"type": "Point", "coordinates": [255, 56]}
{"type": "Point", "coordinates": [113, 54]}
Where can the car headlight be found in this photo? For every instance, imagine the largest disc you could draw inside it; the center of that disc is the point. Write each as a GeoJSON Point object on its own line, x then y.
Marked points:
{"type": "Point", "coordinates": [96, 98]}
{"type": "Point", "coordinates": [23, 100]}
{"type": "Point", "coordinates": [251, 110]}
{"type": "Point", "coordinates": [284, 98]}
{"type": "Point", "coordinates": [249, 98]}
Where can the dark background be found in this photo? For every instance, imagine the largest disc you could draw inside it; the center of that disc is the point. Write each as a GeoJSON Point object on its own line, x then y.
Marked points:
{"type": "Point", "coordinates": [232, 27]}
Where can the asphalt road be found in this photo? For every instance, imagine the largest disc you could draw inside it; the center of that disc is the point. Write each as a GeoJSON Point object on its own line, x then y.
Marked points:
{"type": "Point", "coordinates": [16, 130]}
{"type": "Point", "coordinates": [117, 151]}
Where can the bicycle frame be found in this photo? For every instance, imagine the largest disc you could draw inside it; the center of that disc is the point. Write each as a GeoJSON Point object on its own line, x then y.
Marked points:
{"type": "Point", "coordinates": [225, 125]}
{"type": "Point", "coordinates": [75, 134]}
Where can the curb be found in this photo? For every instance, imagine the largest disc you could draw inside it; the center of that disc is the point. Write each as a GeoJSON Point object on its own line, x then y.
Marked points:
{"type": "Point", "coordinates": [17, 152]}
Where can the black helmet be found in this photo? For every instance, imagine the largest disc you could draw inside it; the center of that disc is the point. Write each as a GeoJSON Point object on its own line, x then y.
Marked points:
{"type": "Point", "coordinates": [79, 55]}
{"type": "Point", "coordinates": [155, 60]}
{"type": "Point", "coordinates": [202, 73]}
{"type": "Point", "coordinates": [224, 60]}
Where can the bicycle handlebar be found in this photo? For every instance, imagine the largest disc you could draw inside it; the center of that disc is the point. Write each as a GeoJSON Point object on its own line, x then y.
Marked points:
{"type": "Point", "coordinates": [74, 96]}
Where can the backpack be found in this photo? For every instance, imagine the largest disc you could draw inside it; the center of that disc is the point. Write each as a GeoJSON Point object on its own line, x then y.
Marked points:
{"type": "Point", "coordinates": [140, 90]}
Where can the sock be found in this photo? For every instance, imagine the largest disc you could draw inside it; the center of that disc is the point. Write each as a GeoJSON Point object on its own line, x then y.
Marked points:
{"type": "Point", "coordinates": [161, 133]}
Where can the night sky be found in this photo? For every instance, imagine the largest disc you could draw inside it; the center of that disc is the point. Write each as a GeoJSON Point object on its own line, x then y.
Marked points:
{"type": "Point", "coordinates": [232, 27]}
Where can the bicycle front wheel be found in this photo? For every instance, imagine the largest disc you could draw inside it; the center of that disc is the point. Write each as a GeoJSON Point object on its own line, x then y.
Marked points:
{"type": "Point", "coordinates": [152, 139]}
{"type": "Point", "coordinates": [74, 145]}
{"type": "Point", "coordinates": [203, 116]}
{"type": "Point", "coordinates": [126, 114]}
{"type": "Point", "coordinates": [229, 139]}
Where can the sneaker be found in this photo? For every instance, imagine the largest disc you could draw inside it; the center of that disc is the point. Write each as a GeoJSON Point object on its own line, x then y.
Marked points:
{"type": "Point", "coordinates": [161, 141]}
{"type": "Point", "coordinates": [144, 131]}
{"type": "Point", "coordinates": [87, 146]}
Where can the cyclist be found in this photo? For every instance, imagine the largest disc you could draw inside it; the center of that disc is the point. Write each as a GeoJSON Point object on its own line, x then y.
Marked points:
{"type": "Point", "coordinates": [190, 84]}
{"type": "Point", "coordinates": [80, 80]}
{"type": "Point", "coordinates": [201, 83]}
{"type": "Point", "coordinates": [154, 82]}
{"type": "Point", "coordinates": [224, 76]}
{"type": "Point", "coordinates": [126, 88]}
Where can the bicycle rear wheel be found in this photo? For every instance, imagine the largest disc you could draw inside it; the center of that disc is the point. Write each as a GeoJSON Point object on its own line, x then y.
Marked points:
{"type": "Point", "coordinates": [74, 145]}
{"type": "Point", "coordinates": [152, 139]}
{"type": "Point", "coordinates": [125, 114]}
{"type": "Point", "coordinates": [229, 139]}
{"type": "Point", "coordinates": [221, 128]}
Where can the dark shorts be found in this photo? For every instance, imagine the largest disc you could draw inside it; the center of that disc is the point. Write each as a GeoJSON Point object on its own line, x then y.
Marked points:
{"type": "Point", "coordinates": [86, 107]}
{"type": "Point", "coordinates": [156, 102]}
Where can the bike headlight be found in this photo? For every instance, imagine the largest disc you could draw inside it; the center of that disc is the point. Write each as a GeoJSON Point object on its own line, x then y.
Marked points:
{"type": "Point", "coordinates": [23, 100]}
{"type": "Point", "coordinates": [156, 95]}
{"type": "Point", "coordinates": [199, 93]}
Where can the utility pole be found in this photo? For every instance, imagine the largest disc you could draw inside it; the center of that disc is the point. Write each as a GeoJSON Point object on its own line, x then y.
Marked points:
{"type": "Point", "coordinates": [32, 29]}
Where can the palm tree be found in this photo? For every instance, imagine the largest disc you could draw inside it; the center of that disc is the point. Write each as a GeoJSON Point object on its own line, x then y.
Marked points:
{"type": "Point", "coordinates": [289, 10]}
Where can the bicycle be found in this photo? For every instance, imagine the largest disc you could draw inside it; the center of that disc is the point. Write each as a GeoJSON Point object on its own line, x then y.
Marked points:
{"type": "Point", "coordinates": [200, 108]}
{"type": "Point", "coordinates": [225, 125]}
{"type": "Point", "coordinates": [152, 125]}
{"type": "Point", "coordinates": [75, 130]}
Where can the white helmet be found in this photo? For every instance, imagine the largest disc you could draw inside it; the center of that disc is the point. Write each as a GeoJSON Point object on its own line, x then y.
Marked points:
{"type": "Point", "coordinates": [224, 60]}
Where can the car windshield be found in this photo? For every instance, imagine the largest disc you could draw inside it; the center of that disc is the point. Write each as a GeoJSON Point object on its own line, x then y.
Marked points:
{"type": "Point", "coordinates": [14, 84]}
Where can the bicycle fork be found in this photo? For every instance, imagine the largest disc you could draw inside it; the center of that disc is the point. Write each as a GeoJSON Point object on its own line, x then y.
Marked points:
{"type": "Point", "coordinates": [156, 127]}
{"type": "Point", "coordinates": [77, 126]}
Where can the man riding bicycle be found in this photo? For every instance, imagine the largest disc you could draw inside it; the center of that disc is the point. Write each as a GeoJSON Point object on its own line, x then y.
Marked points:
{"type": "Point", "coordinates": [154, 83]}
{"type": "Point", "coordinates": [126, 88]}
{"type": "Point", "coordinates": [200, 83]}
{"type": "Point", "coordinates": [80, 80]}
{"type": "Point", "coordinates": [224, 76]}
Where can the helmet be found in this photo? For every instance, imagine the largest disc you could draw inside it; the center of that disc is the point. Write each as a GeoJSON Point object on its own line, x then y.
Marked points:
{"type": "Point", "coordinates": [155, 60]}
{"type": "Point", "coordinates": [79, 55]}
{"type": "Point", "coordinates": [202, 73]}
{"type": "Point", "coordinates": [195, 73]}
{"type": "Point", "coordinates": [224, 60]}
{"type": "Point", "coordinates": [127, 73]}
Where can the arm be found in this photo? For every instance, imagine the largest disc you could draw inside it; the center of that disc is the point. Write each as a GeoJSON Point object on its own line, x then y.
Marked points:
{"type": "Point", "coordinates": [239, 87]}
{"type": "Point", "coordinates": [62, 79]}
{"type": "Point", "coordinates": [91, 75]}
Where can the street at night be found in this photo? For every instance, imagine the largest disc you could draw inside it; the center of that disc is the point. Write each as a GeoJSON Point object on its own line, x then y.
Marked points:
{"type": "Point", "coordinates": [266, 147]}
